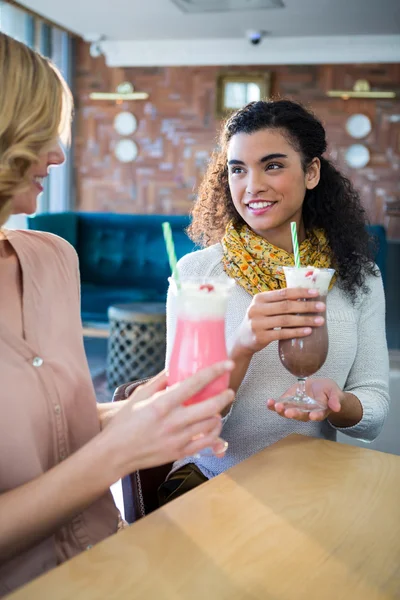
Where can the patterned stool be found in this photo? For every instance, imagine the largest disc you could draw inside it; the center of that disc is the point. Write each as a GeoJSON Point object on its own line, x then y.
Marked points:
{"type": "Point", "coordinates": [136, 345]}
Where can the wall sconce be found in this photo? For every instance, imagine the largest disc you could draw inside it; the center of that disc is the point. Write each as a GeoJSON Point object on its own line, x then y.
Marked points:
{"type": "Point", "coordinates": [123, 92]}
{"type": "Point", "coordinates": [361, 89]}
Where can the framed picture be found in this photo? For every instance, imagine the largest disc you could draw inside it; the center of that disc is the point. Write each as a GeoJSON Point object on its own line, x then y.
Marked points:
{"type": "Point", "coordinates": [235, 90]}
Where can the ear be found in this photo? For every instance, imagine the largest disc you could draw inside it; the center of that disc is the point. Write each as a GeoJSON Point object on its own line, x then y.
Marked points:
{"type": "Point", "coordinates": [313, 174]}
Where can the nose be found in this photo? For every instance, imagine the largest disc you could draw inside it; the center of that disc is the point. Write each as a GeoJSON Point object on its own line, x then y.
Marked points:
{"type": "Point", "coordinates": [255, 184]}
{"type": "Point", "coordinates": [56, 155]}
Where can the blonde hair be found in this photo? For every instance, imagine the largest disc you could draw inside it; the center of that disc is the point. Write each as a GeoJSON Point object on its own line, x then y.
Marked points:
{"type": "Point", "coordinates": [35, 110]}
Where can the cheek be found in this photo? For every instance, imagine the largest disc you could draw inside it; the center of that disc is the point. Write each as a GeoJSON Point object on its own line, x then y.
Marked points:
{"type": "Point", "coordinates": [236, 191]}
{"type": "Point", "coordinates": [291, 186]}
{"type": "Point", "coordinates": [236, 187]}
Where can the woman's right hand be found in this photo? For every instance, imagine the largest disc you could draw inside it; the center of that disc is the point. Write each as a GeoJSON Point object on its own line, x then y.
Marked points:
{"type": "Point", "coordinates": [278, 315]}
{"type": "Point", "coordinates": [154, 427]}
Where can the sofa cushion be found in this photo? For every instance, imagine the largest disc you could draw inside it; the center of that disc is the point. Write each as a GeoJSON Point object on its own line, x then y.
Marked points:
{"type": "Point", "coordinates": [95, 299]}
{"type": "Point", "coordinates": [128, 250]}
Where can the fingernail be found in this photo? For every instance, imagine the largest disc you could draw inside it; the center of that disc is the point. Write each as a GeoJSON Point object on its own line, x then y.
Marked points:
{"type": "Point", "coordinates": [320, 306]}
{"type": "Point", "coordinates": [228, 364]}
{"type": "Point", "coordinates": [313, 292]}
{"type": "Point", "coordinates": [307, 330]}
{"type": "Point", "coordinates": [318, 320]}
{"type": "Point", "coordinates": [221, 448]}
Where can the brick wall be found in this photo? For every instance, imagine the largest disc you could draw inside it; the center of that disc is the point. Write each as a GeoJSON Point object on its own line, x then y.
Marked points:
{"type": "Point", "coordinates": [177, 131]}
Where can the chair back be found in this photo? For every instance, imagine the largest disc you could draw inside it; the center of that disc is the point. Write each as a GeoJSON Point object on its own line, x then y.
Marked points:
{"type": "Point", "coordinates": [140, 487]}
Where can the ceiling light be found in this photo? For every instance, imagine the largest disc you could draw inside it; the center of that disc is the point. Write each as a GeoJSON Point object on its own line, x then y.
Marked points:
{"type": "Point", "coordinates": [199, 6]}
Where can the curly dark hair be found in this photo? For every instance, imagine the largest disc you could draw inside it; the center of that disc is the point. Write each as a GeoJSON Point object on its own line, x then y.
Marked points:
{"type": "Point", "coordinates": [333, 205]}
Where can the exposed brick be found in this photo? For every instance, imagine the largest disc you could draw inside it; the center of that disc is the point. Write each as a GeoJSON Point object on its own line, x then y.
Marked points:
{"type": "Point", "coordinates": [177, 130]}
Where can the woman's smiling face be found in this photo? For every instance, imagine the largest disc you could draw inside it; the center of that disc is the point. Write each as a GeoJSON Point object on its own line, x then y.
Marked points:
{"type": "Point", "coordinates": [267, 181]}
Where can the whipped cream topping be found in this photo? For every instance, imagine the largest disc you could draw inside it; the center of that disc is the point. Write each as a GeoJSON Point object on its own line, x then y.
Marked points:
{"type": "Point", "coordinates": [202, 300]}
{"type": "Point", "coordinates": [309, 278]}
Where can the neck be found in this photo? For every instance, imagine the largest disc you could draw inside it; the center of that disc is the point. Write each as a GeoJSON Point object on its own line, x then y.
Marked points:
{"type": "Point", "coordinates": [281, 237]}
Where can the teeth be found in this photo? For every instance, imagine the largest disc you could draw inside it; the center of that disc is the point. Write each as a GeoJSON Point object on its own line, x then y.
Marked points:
{"type": "Point", "coordinates": [260, 204]}
{"type": "Point", "coordinates": [39, 180]}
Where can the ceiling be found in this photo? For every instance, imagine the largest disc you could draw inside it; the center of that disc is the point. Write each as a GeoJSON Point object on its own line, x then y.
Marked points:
{"type": "Point", "coordinates": [162, 19]}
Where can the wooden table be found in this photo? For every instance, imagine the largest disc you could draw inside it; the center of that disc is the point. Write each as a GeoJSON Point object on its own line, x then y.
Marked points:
{"type": "Point", "coordinates": [304, 519]}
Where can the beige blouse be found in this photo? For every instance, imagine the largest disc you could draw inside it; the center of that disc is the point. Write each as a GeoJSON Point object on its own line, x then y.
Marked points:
{"type": "Point", "coordinates": [47, 401]}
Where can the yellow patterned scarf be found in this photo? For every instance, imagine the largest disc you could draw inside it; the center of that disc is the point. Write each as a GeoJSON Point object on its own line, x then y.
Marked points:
{"type": "Point", "coordinates": [256, 264]}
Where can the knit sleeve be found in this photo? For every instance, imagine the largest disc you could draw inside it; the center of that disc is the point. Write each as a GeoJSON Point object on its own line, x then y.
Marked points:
{"type": "Point", "coordinates": [368, 379]}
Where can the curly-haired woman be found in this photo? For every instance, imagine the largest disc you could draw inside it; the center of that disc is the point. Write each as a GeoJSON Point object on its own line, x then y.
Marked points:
{"type": "Point", "coordinates": [269, 170]}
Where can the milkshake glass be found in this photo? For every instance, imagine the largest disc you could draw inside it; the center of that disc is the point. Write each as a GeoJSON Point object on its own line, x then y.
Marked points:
{"type": "Point", "coordinates": [200, 332]}
{"type": "Point", "coordinates": [303, 357]}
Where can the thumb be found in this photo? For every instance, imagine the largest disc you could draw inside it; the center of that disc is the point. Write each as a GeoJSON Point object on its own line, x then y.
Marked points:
{"type": "Point", "coordinates": [334, 400]}
{"type": "Point", "coordinates": [148, 389]}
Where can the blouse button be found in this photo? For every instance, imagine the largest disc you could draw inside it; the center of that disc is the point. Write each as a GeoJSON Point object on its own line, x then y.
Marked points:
{"type": "Point", "coordinates": [63, 455]}
{"type": "Point", "coordinates": [57, 409]}
{"type": "Point", "coordinates": [37, 361]}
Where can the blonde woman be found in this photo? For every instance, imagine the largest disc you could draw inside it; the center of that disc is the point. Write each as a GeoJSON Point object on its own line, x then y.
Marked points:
{"type": "Point", "coordinates": [59, 451]}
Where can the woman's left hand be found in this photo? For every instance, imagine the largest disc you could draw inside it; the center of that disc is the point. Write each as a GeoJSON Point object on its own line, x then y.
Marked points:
{"type": "Point", "coordinates": [325, 391]}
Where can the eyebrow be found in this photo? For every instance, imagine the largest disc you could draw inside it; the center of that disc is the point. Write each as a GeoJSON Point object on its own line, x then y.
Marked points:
{"type": "Point", "coordinates": [266, 158]}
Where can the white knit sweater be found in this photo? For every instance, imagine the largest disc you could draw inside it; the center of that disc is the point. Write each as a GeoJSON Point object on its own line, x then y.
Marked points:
{"type": "Point", "coordinates": [357, 361]}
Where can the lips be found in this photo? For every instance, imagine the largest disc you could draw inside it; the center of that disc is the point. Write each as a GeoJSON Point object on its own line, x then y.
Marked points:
{"type": "Point", "coordinates": [38, 181]}
{"type": "Point", "coordinates": [259, 207]}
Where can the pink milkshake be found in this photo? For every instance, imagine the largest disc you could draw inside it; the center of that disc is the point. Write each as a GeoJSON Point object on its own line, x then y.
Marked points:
{"type": "Point", "coordinates": [200, 332]}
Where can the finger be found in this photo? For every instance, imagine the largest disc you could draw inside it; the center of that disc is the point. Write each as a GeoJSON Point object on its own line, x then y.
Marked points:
{"type": "Point", "coordinates": [199, 430]}
{"type": "Point", "coordinates": [220, 447]}
{"type": "Point", "coordinates": [295, 414]}
{"type": "Point", "coordinates": [278, 407]}
{"type": "Point", "coordinates": [318, 415]}
{"type": "Point", "coordinates": [146, 390]}
{"type": "Point", "coordinates": [194, 446]}
{"type": "Point", "coordinates": [288, 413]}
{"type": "Point", "coordinates": [286, 294]}
{"type": "Point", "coordinates": [188, 415]}
{"type": "Point", "coordinates": [289, 333]}
{"type": "Point", "coordinates": [178, 393]}
{"type": "Point", "coordinates": [289, 307]}
{"type": "Point", "coordinates": [288, 321]}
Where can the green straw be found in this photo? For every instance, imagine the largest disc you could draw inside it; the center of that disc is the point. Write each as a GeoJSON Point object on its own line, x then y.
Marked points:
{"type": "Point", "coordinates": [169, 243]}
{"type": "Point", "coordinates": [295, 242]}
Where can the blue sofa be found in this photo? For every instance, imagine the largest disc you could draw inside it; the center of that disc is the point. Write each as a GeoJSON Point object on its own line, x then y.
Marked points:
{"type": "Point", "coordinates": [122, 257]}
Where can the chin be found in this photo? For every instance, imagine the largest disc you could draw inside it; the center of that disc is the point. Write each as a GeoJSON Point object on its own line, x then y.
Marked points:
{"type": "Point", "coordinates": [26, 204]}
{"type": "Point", "coordinates": [263, 225]}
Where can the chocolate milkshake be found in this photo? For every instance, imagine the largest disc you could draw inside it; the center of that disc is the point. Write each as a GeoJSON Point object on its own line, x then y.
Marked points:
{"type": "Point", "coordinates": [305, 356]}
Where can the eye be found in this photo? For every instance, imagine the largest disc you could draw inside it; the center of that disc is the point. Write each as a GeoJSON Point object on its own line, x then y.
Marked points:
{"type": "Point", "coordinates": [273, 167]}
{"type": "Point", "coordinates": [236, 170]}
